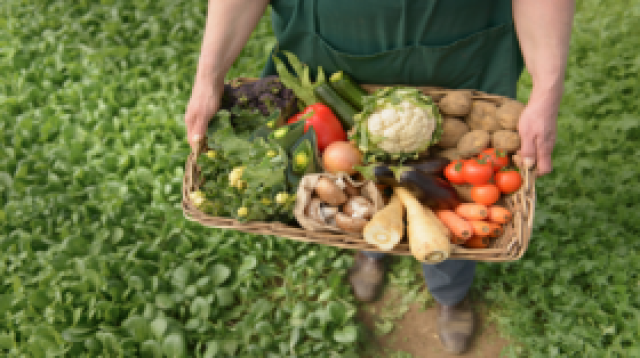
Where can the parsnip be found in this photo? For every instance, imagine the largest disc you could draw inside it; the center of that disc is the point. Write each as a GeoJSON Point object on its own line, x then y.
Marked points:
{"type": "Point", "coordinates": [428, 237]}
{"type": "Point", "coordinates": [386, 228]}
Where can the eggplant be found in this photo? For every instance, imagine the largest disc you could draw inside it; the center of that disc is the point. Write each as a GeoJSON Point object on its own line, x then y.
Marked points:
{"type": "Point", "coordinates": [428, 188]}
{"type": "Point", "coordinates": [430, 166]}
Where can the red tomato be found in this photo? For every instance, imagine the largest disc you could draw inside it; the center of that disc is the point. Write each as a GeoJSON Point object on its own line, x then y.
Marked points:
{"type": "Point", "coordinates": [453, 172]}
{"type": "Point", "coordinates": [497, 157]}
{"type": "Point", "coordinates": [477, 171]}
{"type": "Point", "coordinates": [486, 194]}
{"type": "Point", "coordinates": [508, 181]}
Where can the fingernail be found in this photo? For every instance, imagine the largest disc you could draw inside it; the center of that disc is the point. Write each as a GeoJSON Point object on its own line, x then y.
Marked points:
{"type": "Point", "coordinates": [529, 162]}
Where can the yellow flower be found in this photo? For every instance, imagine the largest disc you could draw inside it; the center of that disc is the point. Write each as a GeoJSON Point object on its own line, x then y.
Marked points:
{"type": "Point", "coordinates": [281, 198]}
{"type": "Point", "coordinates": [271, 153]}
{"type": "Point", "coordinates": [243, 211]}
{"type": "Point", "coordinates": [211, 154]}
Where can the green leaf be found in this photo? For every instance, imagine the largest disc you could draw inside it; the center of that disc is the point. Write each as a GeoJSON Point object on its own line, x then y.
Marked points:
{"type": "Point", "coordinates": [164, 301]}
{"type": "Point", "coordinates": [348, 334]}
{"type": "Point", "coordinates": [78, 333]}
{"type": "Point", "coordinates": [138, 327]}
{"type": "Point", "coordinates": [174, 345]}
{"type": "Point", "coordinates": [219, 274]}
{"type": "Point", "coordinates": [151, 349]}
{"type": "Point", "coordinates": [212, 349]}
{"type": "Point", "coordinates": [224, 297]}
{"type": "Point", "coordinates": [159, 327]}
{"type": "Point", "coordinates": [181, 277]}
{"type": "Point", "coordinates": [248, 263]}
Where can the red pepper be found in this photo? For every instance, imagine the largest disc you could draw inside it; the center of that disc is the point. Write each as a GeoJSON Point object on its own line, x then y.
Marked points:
{"type": "Point", "coordinates": [327, 126]}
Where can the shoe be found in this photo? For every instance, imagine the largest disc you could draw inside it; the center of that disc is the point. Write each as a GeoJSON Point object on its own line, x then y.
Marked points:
{"type": "Point", "coordinates": [456, 326]}
{"type": "Point", "coordinates": [366, 277]}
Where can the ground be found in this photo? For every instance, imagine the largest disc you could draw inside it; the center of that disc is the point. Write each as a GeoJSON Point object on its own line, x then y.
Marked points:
{"type": "Point", "coordinates": [398, 328]}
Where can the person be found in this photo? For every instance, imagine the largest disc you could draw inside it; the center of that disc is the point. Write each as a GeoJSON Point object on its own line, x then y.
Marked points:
{"type": "Point", "coordinates": [481, 45]}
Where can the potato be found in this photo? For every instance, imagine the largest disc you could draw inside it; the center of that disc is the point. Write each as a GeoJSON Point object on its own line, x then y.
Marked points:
{"type": "Point", "coordinates": [473, 143]}
{"type": "Point", "coordinates": [450, 153]}
{"type": "Point", "coordinates": [505, 139]}
{"type": "Point", "coordinates": [479, 110]}
{"type": "Point", "coordinates": [509, 114]}
{"type": "Point", "coordinates": [456, 103]}
{"type": "Point", "coordinates": [452, 130]}
{"type": "Point", "coordinates": [489, 123]}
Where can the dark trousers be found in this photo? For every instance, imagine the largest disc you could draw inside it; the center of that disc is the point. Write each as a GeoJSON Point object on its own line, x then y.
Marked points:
{"type": "Point", "coordinates": [448, 282]}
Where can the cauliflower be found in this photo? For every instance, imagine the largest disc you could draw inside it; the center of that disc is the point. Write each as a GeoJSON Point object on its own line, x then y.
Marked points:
{"type": "Point", "coordinates": [397, 123]}
{"type": "Point", "coordinates": [235, 178]}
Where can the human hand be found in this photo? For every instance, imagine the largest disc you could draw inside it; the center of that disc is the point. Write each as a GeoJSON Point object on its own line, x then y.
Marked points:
{"type": "Point", "coordinates": [537, 128]}
{"type": "Point", "coordinates": [203, 105]}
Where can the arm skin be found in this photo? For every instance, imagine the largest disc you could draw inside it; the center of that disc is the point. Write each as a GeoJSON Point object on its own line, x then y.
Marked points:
{"type": "Point", "coordinates": [544, 32]}
{"type": "Point", "coordinates": [228, 27]}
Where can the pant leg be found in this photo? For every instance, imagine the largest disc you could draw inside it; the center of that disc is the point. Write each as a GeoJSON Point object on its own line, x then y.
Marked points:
{"type": "Point", "coordinates": [374, 254]}
{"type": "Point", "coordinates": [449, 281]}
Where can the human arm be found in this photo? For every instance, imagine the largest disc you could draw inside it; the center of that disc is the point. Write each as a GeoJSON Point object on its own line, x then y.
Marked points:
{"type": "Point", "coordinates": [544, 33]}
{"type": "Point", "coordinates": [228, 27]}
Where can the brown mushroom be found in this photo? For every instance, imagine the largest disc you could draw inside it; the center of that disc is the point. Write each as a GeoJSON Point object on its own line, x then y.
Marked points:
{"type": "Point", "coordinates": [330, 192]}
{"type": "Point", "coordinates": [350, 224]}
{"type": "Point", "coordinates": [314, 210]}
{"type": "Point", "coordinates": [359, 207]}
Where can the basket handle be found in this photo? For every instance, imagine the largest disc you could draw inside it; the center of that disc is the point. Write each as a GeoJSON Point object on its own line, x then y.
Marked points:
{"type": "Point", "coordinates": [199, 147]}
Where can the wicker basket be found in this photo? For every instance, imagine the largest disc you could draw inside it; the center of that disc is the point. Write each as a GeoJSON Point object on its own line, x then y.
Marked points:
{"type": "Point", "coordinates": [508, 247]}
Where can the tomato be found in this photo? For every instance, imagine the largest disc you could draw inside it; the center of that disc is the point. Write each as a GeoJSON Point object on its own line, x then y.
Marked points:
{"type": "Point", "coordinates": [477, 171]}
{"type": "Point", "coordinates": [497, 157]}
{"type": "Point", "coordinates": [508, 181]}
{"type": "Point", "coordinates": [486, 194]}
{"type": "Point", "coordinates": [453, 172]}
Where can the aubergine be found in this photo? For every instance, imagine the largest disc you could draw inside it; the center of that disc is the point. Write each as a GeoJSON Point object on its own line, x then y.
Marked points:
{"type": "Point", "coordinates": [430, 166]}
{"type": "Point", "coordinates": [428, 188]}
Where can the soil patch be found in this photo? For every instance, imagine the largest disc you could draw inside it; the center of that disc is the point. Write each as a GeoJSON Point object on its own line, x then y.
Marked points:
{"type": "Point", "coordinates": [400, 329]}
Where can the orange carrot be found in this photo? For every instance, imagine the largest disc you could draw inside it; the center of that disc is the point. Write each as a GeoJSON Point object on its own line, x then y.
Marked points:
{"type": "Point", "coordinates": [499, 214]}
{"type": "Point", "coordinates": [472, 211]}
{"type": "Point", "coordinates": [496, 229]}
{"type": "Point", "coordinates": [456, 240]}
{"type": "Point", "coordinates": [459, 227]}
{"type": "Point", "coordinates": [477, 242]}
{"type": "Point", "coordinates": [480, 228]}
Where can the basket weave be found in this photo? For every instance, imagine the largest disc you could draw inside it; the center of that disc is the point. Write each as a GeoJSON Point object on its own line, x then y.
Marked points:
{"type": "Point", "coordinates": [509, 247]}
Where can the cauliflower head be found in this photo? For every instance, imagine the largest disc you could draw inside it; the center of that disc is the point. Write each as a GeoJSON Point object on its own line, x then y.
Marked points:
{"type": "Point", "coordinates": [397, 123]}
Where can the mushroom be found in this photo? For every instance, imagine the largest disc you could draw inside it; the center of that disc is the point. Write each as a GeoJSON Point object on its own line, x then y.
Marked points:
{"type": "Point", "coordinates": [347, 187]}
{"type": "Point", "coordinates": [328, 212]}
{"type": "Point", "coordinates": [330, 192]}
{"type": "Point", "coordinates": [359, 207]}
{"type": "Point", "coordinates": [350, 224]}
{"type": "Point", "coordinates": [314, 210]}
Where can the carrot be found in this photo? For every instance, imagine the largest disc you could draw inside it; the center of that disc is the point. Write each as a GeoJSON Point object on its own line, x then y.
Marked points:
{"type": "Point", "coordinates": [456, 240]}
{"type": "Point", "coordinates": [499, 214]}
{"type": "Point", "coordinates": [477, 242]}
{"type": "Point", "coordinates": [496, 229]}
{"type": "Point", "coordinates": [459, 227]}
{"type": "Point", "coordinates": [428, 236]}
{"type": "Point", "coordinates": [472, 211]}
{"type": "Point", "coordinates": [480, 228]}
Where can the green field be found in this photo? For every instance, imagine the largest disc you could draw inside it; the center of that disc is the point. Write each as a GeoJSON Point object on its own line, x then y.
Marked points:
{"type": "Point", "coordinates": [96, 259]}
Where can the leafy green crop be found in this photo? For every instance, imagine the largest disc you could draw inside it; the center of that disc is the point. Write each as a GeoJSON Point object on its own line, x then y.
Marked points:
{"type": "Point", "coordinates": [96, 258]}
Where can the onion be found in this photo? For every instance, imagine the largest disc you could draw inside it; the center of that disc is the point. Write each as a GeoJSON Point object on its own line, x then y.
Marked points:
{"type": "Point", "coordinates": [341, 156]}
